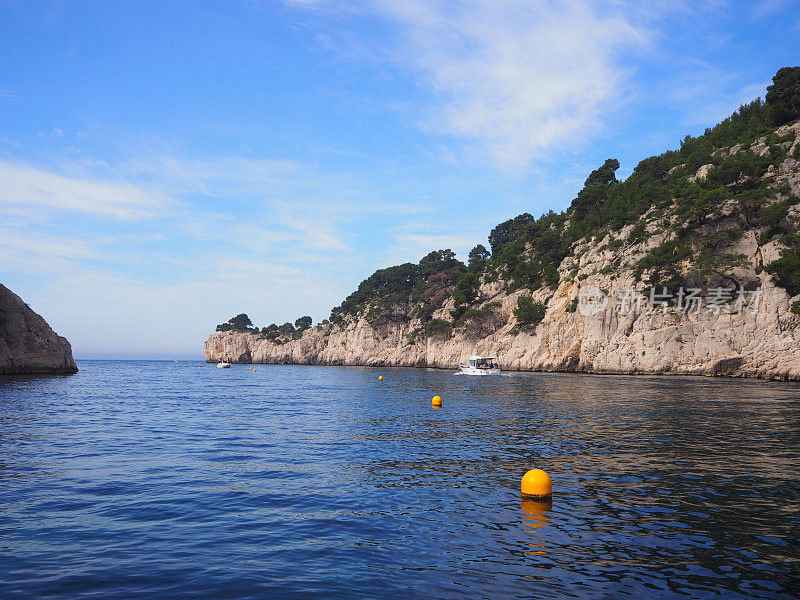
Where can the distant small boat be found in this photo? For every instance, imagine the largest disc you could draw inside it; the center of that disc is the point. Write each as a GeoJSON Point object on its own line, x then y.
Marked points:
{"type": "Point", "coordinates": [480, 365]}
{"type": "Point", "coordinates": [224, 364]}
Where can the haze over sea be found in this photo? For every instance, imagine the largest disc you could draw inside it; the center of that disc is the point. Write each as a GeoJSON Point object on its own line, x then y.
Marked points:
{"type": "Point", "coordinates": [146, 479]}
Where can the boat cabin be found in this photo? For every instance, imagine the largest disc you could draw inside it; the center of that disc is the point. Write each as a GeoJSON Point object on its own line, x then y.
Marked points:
{"type": "Point", "coordinates": [483, 362]}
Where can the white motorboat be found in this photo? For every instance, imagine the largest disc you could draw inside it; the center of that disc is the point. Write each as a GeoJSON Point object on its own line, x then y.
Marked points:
{"type": "Point", "coordinates": [480, 365]}
{"type": "Point", "coordinates": [223, 364]}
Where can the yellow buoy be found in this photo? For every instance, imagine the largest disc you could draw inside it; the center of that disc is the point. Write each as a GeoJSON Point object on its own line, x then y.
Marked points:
{"type": "Point", "coordinates": [536, 484]}
{"type": "Point", "coordinates": [380, 377]}
{"type": "Point", "coordinates": [436, 401]}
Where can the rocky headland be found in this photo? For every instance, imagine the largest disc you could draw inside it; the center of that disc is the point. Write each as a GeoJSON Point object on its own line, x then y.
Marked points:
{"type": "Point", "coordinates": [27, 343]}
{"type": "Point", "coordinates": [689, 266]}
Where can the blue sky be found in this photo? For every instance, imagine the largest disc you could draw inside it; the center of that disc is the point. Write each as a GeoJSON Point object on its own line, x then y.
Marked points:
{"type": "Point", "coordinates": [166, 165]}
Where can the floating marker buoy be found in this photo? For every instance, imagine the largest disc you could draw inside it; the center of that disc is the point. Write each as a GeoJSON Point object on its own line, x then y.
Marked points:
{"type": "Point", "coordinates": [436, 401]}
{"type": "Point", "coordinates": [536, 484]}
{"type": "Point", "coordinates": [380, 377]}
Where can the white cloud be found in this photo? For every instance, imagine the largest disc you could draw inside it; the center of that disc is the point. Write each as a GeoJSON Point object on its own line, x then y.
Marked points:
{"type": "Point", "coordinates": [235, 175]}
{"type": "Point", "coordinates": [45, 246]}
{"type": "Point", "coordinates": [35, 188]}
{"type": "Point", "coordinates": [514, 77]}
{"type": "Point", "coordinates": [6, 94]}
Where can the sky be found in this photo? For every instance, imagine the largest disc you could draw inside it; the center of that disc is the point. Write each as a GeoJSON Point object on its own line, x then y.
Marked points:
{"type": "Point", "coordinates": [167, 165]}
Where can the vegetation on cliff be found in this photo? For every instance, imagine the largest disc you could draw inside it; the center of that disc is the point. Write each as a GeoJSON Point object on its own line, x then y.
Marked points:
{"type": "Point", "coordinates": [240, 322]}
{"type": "Point", "coordinates": [427, 284]}
{"type": "Point", "coordinates": [275, 333]}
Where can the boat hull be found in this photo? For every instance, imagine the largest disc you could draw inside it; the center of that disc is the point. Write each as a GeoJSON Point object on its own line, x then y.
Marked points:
{"type": "Point", "coordinates": [467, 370]}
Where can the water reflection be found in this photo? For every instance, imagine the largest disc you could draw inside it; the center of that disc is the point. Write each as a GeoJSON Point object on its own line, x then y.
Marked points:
{"type": "Point", "coordinates": [536, 510]}
{"type": "Point", "coordinates": [536, 519]}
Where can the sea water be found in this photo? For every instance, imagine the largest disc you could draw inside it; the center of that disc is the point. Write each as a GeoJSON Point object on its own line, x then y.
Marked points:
{"type": "Point", "coordinates": [166, 480]}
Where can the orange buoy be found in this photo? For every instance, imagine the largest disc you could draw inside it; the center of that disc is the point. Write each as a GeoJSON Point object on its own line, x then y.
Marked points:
{"type": "Point", "coordinates": [436, 401]}
{"type": "Point", "coordinates": [536, 484]}
{"type": "Point", "coordinates": [380, 377]}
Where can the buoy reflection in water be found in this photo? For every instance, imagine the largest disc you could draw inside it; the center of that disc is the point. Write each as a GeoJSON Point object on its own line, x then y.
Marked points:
{"type": "Point", "coordinates": [536, 519]}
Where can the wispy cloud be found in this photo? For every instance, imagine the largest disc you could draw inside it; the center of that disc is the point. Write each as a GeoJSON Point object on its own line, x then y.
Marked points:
{"type": "Point", "coordinates": [764, 8]}
{"type": "Point", "coordinates": [513, 78]}
{"type": "Point", "coordinates": [209, 176]}
{"type": "Point", "coordinates": [7, 94]}
{"type": "Point", "coordinates": [36, 188]}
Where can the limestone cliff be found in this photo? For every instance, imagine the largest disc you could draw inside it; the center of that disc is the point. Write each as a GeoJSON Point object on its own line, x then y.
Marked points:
{"type": "Point", "coordinates": [27, 343]}
{"type": "Point", "coordinates": [750, 331]}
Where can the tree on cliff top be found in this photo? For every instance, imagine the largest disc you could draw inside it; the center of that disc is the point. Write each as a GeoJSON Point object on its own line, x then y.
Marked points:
{"type": "Point", "coordinates": [508, 231]}
{"type": "Point", "coordinates": [303, 323]}
{"type": "Point", "coordinates": [397, 285]}
{"type": "Point", "coordinates": [478, 257]}
{"type": "Point", "coordinates": [783, 96]}
{"type": "Point", "coordinates": [240, 322]}
{"type": "Point", "coordinates": [586, 210]}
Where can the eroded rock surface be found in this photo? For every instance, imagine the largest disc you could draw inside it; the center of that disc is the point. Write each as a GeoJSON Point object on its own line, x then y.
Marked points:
{"type": "Point", "coordinates": [27, 343]}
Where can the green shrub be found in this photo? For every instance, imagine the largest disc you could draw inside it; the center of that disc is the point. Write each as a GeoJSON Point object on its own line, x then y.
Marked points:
{"type": "Point", "coordinates": [529, 312]}
{"type": "Point", "coordinates": [436, 327]}
{"type": "Point", "coordinates": [573, 306]}
{"type": "Point", "coordinates": [787, 270]}
{"type": "Point", "coordinates": [425, 312]}
{"type": "Point", "coordinates": [771, 217]}
{"type": "Point", "coordinates": [663, 259]}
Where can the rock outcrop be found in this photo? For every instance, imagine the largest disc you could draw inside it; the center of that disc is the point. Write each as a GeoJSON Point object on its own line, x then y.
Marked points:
{"type": "Point", "coordinates": [27, 343]}
{"type": "Point", "coordinates": [590, 323]}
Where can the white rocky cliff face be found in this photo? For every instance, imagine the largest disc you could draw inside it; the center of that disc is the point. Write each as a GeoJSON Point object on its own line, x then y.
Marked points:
{"type": "Point", "coordinates": [27, 343]}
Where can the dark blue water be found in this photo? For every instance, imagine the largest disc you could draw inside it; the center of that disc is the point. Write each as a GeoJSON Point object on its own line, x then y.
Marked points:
{"type": "Point", "coordinates": [164, 480]}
